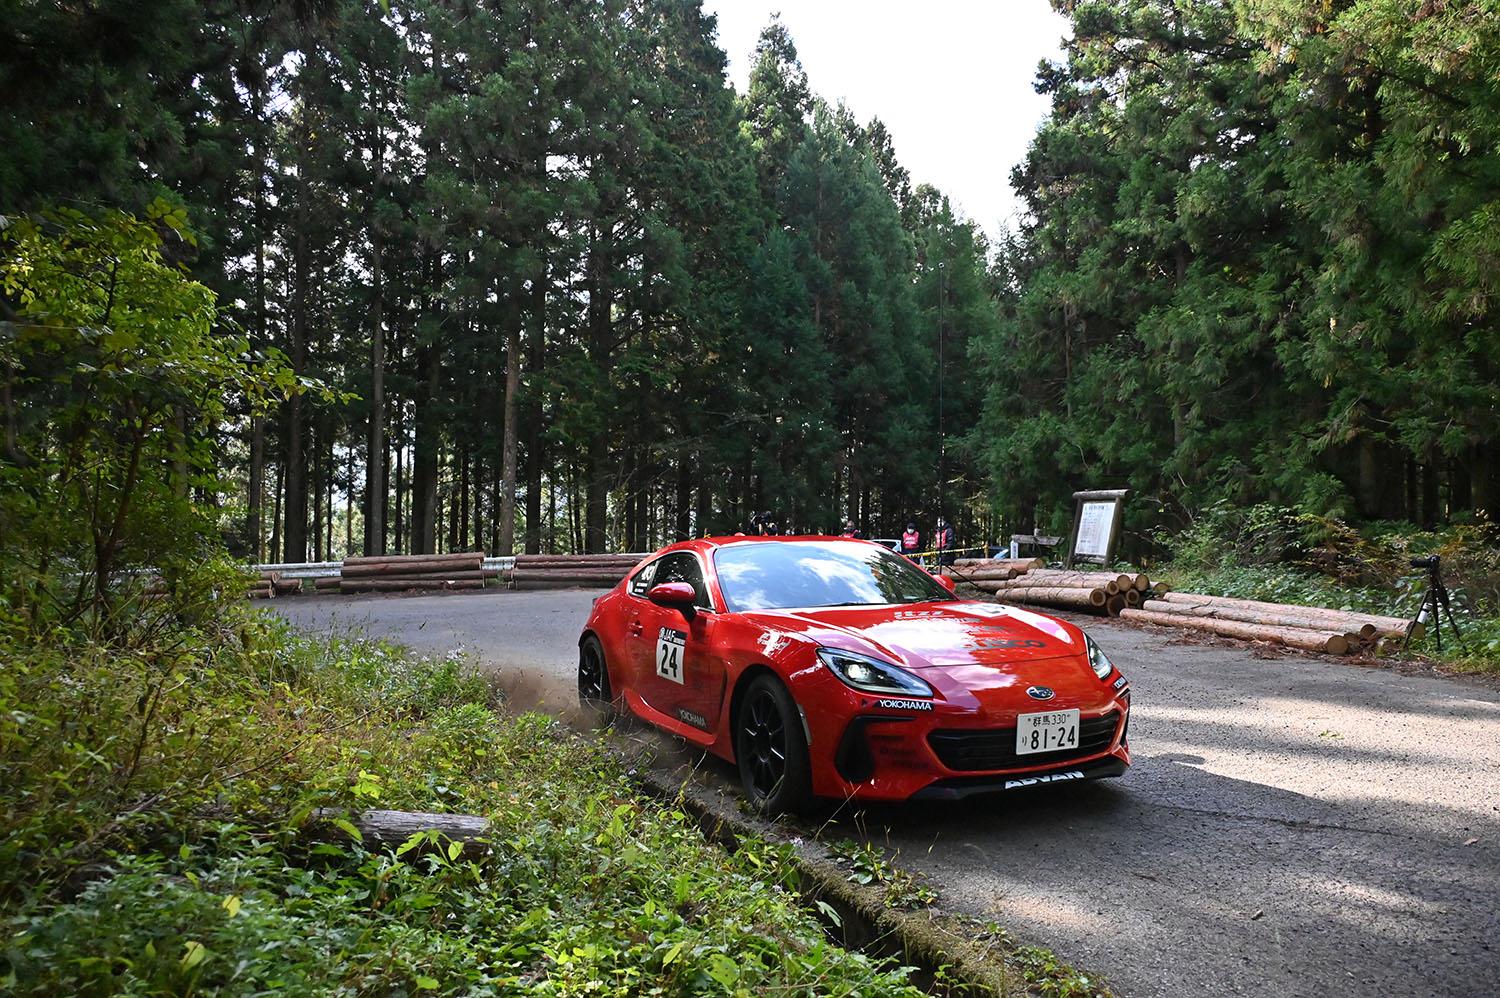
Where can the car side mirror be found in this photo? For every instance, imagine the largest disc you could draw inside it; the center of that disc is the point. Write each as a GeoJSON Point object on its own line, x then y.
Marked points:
{"type": "Point", "coordinates": [677, 594]}
{"type": "Point", "coordinates": [947, 583]}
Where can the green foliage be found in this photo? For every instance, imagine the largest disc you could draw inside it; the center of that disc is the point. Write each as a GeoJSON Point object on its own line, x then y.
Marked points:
{"type": "Point", "coordinates": [154, 841]}
{"type": "Point", "coordinates": [116, 381]}
{"type": "Point", "coordinates": [868, 866]}
{"type": "Point", "coordinates": [1250, 270]}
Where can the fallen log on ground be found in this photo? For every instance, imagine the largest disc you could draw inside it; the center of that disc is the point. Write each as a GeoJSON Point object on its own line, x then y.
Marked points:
{"type": "Point", "coordinates": [1274, 615]}
{"type": "Point", "coordinates": [397, 827]}
{"type": "Point", "coordinates": [1292, 637]}
{"type": "Point", "coordinates": [1385, 626]}
{"type": "Point", "coordinates": [1055, 596]}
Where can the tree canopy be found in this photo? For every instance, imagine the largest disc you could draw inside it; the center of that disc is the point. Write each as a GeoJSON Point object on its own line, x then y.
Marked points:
{"type": "Point", "coordinates": [571, 291]}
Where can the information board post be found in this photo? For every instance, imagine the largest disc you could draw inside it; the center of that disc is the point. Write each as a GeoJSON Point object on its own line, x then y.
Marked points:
{"type": "Point", "coordinates": [1096, 526]}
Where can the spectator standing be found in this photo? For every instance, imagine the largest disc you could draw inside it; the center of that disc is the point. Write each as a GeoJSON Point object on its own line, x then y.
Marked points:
{"type": "Point", "coordinates": [942, 542]}
{"type": "Point", "coordinates": [911, 541]}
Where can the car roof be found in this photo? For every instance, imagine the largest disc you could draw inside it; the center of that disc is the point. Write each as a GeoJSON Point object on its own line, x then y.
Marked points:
{"type": "Point", "coordinates": [703, 545]}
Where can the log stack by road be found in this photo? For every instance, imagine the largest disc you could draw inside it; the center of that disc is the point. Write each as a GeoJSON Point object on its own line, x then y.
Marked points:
{"type": "Point", "coordinates": [1028, 583]}
{"type": "Point", "coordinates": [568, 571]}
{"type": "Point", "coordinates": [394, 573]}
{"type": "Point", "coordinates": [270, 584]}
{"type": "Point", "coordinates": [1310, 628]}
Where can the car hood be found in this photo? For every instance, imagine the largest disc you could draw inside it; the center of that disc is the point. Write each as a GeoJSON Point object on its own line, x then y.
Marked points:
{"type": "Point", "coordinates": [935, 635]}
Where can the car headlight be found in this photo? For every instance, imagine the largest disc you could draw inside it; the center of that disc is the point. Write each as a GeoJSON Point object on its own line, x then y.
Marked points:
{"type": "Point", "coordinates": [1100, 661]}
{"type": "Point", "coordinates": [871, 674]}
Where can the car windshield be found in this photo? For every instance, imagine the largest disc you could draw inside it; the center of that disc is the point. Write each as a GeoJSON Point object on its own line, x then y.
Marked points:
{"type": "Point", "coordinates": [776, 575]}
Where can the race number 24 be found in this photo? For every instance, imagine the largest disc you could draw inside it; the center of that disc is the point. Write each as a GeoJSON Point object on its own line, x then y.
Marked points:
{"type": "Point", "coordinates": [670, 646]}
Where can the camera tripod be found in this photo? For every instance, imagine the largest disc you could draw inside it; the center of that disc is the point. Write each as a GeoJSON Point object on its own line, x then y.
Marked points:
{"type": "Point", "coordinates": [1434, 604]}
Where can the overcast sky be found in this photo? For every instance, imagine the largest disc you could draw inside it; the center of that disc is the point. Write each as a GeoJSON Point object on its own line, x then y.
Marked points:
{"type": "Point", "coordinates": [950, 78]}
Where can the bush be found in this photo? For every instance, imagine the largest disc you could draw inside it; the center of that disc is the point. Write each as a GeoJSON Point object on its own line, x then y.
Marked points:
{"type": "Point", "coordinates": [155, 839]}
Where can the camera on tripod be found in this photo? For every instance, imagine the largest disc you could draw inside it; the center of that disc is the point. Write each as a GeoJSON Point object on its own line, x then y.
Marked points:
{"type": "Point", "coordinates": [1435, 603]}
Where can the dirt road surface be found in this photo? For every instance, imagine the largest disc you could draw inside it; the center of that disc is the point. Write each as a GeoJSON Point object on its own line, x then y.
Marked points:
{"type": "Point", "coordinates": [1291, 826]}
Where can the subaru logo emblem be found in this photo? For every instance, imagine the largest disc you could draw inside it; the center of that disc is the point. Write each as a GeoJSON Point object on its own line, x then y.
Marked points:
{"type": "Point", "coordinates": [1040, 692]}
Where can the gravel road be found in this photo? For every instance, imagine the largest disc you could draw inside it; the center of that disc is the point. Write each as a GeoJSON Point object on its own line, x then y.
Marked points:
{"type": "Point", "coordinates": [1291, 825]}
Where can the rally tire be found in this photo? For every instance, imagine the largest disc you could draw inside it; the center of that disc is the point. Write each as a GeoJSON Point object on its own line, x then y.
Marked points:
{"type": "Point", "coordinates": [771, 749]}
{"type": "Point", "coordinates": [595, 694]}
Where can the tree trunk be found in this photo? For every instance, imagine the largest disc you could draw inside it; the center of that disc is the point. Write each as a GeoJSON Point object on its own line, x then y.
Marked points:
{"type": "Point", "coordinates": [425, 454]}
{"type": "Point", "coordinates": [375, 483]}
{"type": "Point", "coordinates": [295, 517]}
{"type": "Point", "coordinates": [682, 515]}
{"type": "Point", "coordinates": [254, 525]}
{"type": "Point", "coordinates": [600, 334]}
{"type": "Point", "coordinates": [508, 422]}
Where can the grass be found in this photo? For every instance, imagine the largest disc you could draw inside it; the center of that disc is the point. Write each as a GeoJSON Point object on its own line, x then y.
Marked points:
{"type": "Point", "coordinates": [156, 837]}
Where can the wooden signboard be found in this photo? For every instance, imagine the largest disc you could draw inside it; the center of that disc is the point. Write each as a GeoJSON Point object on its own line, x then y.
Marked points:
{"type": "Point", "coordinates": [1096, 526]}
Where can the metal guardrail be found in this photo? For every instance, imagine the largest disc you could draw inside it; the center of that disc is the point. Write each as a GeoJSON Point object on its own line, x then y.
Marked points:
{"type": "Point", "coordinates": [332, 569]}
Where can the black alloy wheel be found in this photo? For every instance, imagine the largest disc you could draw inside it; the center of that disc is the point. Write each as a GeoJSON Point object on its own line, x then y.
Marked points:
{"type": "Point", "coordinates": [772, 749]}
{"type": "Point", "coordinates": [594, 694]}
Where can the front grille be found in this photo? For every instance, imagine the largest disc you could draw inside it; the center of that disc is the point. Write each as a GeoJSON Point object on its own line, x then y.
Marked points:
{"type": "Point", "coordinates": [995, 748]}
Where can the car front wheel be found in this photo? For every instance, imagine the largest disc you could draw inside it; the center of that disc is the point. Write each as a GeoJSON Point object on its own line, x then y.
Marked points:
{"type": "Point", "coordinates": [772, 749]}
{"type": "Point", "coordinates": [594, 693]}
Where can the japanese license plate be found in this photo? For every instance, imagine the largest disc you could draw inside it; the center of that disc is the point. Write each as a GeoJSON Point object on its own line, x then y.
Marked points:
{"type": "Point", "coordinates": [1049, 732]}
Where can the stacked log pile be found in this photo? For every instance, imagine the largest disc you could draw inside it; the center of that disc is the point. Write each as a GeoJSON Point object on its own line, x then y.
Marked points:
{"type": "Point", "coordinates": [270, 584]}
{"type": "Point", "coordinates": [1106, 593]}
{"type": "Point", "coordinates": [568, 571]}
{"type": "Point", "coordinates": [391, 573]}
{"type": "Point", "coordinates": [1311, 628]}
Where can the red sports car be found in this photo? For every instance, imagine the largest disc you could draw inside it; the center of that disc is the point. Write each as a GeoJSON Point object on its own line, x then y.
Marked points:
{"type": "Point", "coordinates": [830, 667]}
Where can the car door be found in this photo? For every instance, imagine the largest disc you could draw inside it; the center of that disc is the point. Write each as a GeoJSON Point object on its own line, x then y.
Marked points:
{"type": "Point", "coordinates": [682, 676]}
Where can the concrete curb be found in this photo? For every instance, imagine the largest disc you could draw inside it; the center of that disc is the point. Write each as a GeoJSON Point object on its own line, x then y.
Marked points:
{"type": "Point", "coordinates": [942, 948]}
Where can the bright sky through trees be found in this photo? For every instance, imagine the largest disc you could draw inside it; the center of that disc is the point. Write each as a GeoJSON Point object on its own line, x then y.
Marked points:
{"type": "Point", "coordinates": [926, 70]}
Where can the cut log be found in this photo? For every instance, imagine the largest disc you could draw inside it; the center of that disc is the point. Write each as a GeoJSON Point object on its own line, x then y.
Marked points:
{"type": "Point", "coordinates": [1273, 615]}
{"type": "Point", "coordinates": [1389, 626]}
{"type": "Point", "coordinates": [1292, 637]}
{"type": "Point", "coordinates": [1132, 597]}
{"type": "Point", "coordinates": [1019, 564]}
{"type": "Point", "coordinates": [1055, 596]}
{"type": "Point", "coordinates": [1141, 583]}
{"type": "Point", "coordinates": [1114, 604]}
{"type": "Point", "coordinates": [403, 585]}
{"type": "Point", "coordinates": [581, 574]}
{"type": "Point", "coordinates": [1110, 582]}
{"type": "Point", "coordinates": [554, 583]}
{"type": "Point", "coordinates": [324, 585]}
{"type": "Point", "coordinates": [574, 560]}
{"type": "Point", "coordinates": [424, 564]}
{"type": "Point", "coordinates": [287, 587]}
{"type": "Point", "coordinates": [453, 574]}
{"type": "Point", "coordinates": [397, 827]}
{"type": "Point", "coordinates": [981, 574]}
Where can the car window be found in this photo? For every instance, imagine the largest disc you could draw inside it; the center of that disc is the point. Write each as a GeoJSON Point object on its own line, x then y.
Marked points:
{"type": "Point", "coordinates": [682, 566]}
{"type": "Point", "coordinates": [776, 575]}
{"type": "Point", "coordinates": [640, 582]}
